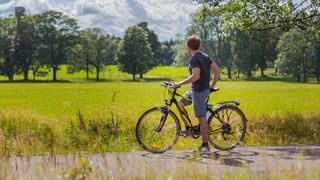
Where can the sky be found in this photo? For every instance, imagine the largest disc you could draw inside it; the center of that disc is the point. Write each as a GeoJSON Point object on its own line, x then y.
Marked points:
{"type": "Point", "coordinates": [166, 17]}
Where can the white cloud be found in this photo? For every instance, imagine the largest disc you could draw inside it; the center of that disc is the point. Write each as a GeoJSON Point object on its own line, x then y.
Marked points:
{"type": "Point", "coordinates": [166, 17]}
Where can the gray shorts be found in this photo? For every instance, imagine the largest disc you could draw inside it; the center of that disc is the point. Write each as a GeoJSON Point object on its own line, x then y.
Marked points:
{"type": "Point", "coordinates": [198, 99]}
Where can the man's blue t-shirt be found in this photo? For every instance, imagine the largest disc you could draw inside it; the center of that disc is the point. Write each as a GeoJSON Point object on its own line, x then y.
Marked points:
{"type": "Point", "coordinates": [202, 61]}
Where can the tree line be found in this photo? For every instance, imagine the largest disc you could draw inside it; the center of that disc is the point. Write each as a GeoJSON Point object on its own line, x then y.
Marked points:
{"type": "Point", "coordinates": [45, 41]}
{"type": "Point", "coordinates": [244, 36]}
{"type": "Point", "coordinates": [241, 36]}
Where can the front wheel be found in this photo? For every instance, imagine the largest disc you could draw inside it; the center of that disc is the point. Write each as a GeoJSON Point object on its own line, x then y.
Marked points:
{"type": "Point", "coordinates": [227, 126]}
{"type": "Point", "coordinates": [157, 130]}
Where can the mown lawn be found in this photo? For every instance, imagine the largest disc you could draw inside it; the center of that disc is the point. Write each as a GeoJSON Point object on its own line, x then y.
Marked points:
{"type": "Point", "coordinates": [129, 99]}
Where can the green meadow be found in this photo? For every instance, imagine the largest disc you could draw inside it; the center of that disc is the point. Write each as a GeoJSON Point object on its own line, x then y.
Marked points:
{"type": "Point", "coordinates": [279, 112]}
{"type": "Point", "coordinates": [108, 73]}
{"type": "Point", "coordinates": [130, 99]}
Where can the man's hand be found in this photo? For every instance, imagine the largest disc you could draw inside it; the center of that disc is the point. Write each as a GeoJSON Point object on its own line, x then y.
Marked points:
{"type": "Point", "coordinates": [176, 85]}
{"type": "Point", "coordinates": [213, 89]}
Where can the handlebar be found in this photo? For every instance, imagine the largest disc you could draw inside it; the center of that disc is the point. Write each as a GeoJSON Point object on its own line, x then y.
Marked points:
{"type": "Point", "coordinates": [170, 84]}
{"type": "Point", "coordinates": [167, 84]}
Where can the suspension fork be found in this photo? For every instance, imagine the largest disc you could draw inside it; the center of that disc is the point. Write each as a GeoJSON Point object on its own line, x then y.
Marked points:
{"type": "Point", "coordinates": [165, 111]}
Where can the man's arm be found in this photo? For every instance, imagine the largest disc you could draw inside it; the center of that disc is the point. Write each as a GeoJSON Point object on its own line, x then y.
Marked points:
{"type": "Point", "coordinates": [192, 78]}
{"type": "Point", "coordinates": [216, 71]}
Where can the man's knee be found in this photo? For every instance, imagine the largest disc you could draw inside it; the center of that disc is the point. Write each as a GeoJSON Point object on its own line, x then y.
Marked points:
{"type": "Point", "coordinates": [202, 120]}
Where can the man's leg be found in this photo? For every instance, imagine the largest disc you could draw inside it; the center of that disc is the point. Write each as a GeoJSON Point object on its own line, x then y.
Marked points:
{"type": "Point", "coordinates": [200, 109]}
{"type": "Point", "coordinates": [182, 106]}
{"type": "Point", "coordinates": [182, 103]}
{"type": "Point", "coordinates": [204, 129]}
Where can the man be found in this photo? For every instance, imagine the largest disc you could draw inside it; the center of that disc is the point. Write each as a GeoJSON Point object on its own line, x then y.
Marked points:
{"type": "Point", "coordinates": [199, 66]}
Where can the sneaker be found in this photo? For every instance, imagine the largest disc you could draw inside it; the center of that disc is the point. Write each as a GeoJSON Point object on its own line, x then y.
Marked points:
{"type": "Point", "coordinates": [204, 150]}
{"type": "Point", "coordinates": [184, 133]}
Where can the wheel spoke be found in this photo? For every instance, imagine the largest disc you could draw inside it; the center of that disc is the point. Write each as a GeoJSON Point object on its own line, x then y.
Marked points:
{"type": "Point", "coordinates": [216, 131]}
{"type": "Point", "coordinates": [235, 121]}
{"type": "Point", "coordinates": [219, 119]}
{"type": "Point", "coordinates": [229, 116]}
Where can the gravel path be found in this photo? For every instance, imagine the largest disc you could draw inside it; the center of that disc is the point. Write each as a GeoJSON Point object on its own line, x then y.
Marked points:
{"type": "Point", "coordinates": [144, 165]}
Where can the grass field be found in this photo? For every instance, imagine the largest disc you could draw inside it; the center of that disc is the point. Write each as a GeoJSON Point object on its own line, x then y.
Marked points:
{"type": "Point", "coordinates": [112, 73]}
{"type": "Point", "coordinates": [109, 73]}
{"type": "Point", "coordinates": [274, 108]}
{"type": "Point", "coordinates": [63, 99]}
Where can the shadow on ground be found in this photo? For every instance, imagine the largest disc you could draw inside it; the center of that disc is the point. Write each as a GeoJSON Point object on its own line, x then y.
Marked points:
{"type": "Point", "coordinates": [231, 158]}
{"type": "Point", "coordinates": [295, 152]}
{"type": "Point", "coordinates": [243, 157]}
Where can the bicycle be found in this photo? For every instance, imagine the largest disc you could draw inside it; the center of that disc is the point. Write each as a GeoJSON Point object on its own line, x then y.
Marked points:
{"type": "Point", "coordinates": [158, 129]}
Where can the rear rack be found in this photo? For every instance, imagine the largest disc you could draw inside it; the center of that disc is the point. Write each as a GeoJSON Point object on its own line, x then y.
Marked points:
{"type": "Point", "coordinates": [237, 103]}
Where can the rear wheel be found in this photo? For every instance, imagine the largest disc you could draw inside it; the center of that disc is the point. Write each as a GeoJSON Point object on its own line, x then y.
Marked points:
{"type": "Point", "coordinates": [227, 126]}
{"type": "Point", "coordinates": [157, 130]}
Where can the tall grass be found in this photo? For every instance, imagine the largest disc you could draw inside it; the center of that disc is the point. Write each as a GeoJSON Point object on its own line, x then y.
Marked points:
{"type": "Point", "coordinates": [86, 133]}
{"type": "Point", "coordinates": [99, 135]}
{"type": "Point", "coordinates": [288, 128]}
{"type": "Point", "coordinates": [27, 135]}
{"type": "Point", "coordinates": [23, 135]}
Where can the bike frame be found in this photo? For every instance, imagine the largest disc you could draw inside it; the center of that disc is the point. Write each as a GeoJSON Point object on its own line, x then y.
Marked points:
{"type": "Point", "coordinates": [216, 113]}
{"type": "Point", "coordinates": [173, 100]}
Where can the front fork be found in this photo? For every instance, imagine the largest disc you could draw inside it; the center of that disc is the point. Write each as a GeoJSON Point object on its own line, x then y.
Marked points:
{"type": "Point", "coordinates": [165, 111]}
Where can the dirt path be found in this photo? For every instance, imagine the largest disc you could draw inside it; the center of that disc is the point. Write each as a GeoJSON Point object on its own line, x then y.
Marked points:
{"type": "Point", "coordinates": [170, 164]}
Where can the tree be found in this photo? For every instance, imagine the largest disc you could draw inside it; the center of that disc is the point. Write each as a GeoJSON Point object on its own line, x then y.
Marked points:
{"type": "Point", "coordinates": [103, 48]}
{"type": "Point", "coordinates": [263, 15]}
{"type": "Point", "coordinates": [314, 33]}
{"type": "Point", "coordinates": [58, 34]}
{"type": "Point", "coordinates": [181, 56]}
{"type": "Point", "coordinates": [168, 51]}
{"type": "Point", "coordinates": [295, 54]}
{"type": "Point", "coordinates": [157, 49]}
{"type": "Point", "coordinates": [8, 64]}
{"type": "Point", "coordinates": [25, 40]}
{"type": "Point", "coordinates": [83, 53]}
{"type": "Point", "coordinates": [246, 53]}
{"type": "Point", "coordinates": [100, 47]}
{"type": "Point", "coordinates": [134, 52]}
{"type": "Point", "coordinates": [317, 58]}
{"type": "Point", "coordinates": [268, 42]}
{"type": "Point", "coordinates": [226, 54]}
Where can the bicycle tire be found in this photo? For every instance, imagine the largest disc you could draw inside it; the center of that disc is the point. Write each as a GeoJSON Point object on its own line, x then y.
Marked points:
{"type": "Point", "coordinates": [217, 137]}
{"type": "Point", "coordinates": [142, 125]}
